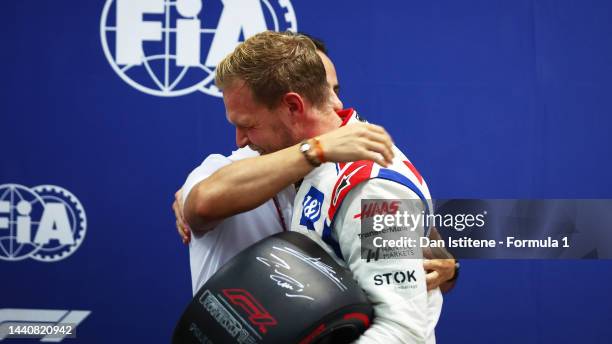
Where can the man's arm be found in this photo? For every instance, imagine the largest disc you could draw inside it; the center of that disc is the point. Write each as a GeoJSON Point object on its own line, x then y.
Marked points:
{"type": "Point", "coordinates": [248, 183]}
{"type": "Point", "coordinates": [396, 287]}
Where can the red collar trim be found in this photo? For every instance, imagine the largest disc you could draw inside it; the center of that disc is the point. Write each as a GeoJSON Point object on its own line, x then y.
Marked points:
{"type": "Point", "coordinates": [345, 115]}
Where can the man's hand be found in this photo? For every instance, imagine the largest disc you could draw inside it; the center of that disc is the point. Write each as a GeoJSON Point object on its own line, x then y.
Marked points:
{"type": "Point", "coordinates": [181, 225]}
{"type": "Point", "coordinates": [359, 141]}
{"type": "Point", "coordinates": [439, 265]}
{"type": "Point", "coordinates": [438, 271]}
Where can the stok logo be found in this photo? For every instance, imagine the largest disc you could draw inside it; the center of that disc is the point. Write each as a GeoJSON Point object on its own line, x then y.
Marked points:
{"type": "Point", "coordinates": [396, 278]}
{"type": "Point", "coordinates": [46, 223]}
{"type": "Point", "coordinates": [258, 315]}
{"type": "Point", "coordinates": [162, 47]}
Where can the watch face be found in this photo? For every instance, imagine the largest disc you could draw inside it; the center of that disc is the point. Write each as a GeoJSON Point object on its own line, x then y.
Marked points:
{"type": "Point", "coordinates": [305, 147]}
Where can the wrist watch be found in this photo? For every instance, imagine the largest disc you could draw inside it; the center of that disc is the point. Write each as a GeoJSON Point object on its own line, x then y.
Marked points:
{"type": "Point", "coordinates": [307, 151]}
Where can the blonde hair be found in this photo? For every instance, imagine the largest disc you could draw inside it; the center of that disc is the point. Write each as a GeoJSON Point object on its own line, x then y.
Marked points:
{"type": "Point", "coordinates": [274, 63]}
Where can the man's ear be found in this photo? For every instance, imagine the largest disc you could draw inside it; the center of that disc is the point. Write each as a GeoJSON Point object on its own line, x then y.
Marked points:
{"type": "Point", "coordinates": [294, 103]}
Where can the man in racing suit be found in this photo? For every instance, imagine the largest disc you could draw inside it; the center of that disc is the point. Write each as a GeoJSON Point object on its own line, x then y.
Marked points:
{"type": "Point", "coordinates": [328, 209]}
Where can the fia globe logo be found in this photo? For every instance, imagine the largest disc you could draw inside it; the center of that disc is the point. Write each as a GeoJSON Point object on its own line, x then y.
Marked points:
{"type": "Point", "coordinates": [46, 223]}
{"type": "Point", "coordinates": [171, 48]}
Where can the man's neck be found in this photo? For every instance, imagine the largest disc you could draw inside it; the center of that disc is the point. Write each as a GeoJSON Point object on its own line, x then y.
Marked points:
{"type": "Point", "coordinates": [324, 122]}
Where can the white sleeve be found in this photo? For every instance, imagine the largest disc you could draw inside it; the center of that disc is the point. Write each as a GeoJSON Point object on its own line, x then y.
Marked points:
{"type": "Point", "coordinates": [209, 166]}
{"type": "Point", "coordinates": [400, 309]}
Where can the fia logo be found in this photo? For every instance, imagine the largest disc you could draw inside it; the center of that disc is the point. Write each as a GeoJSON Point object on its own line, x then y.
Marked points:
{"type": "Point", "coordinates": [168, 48]}
{"type": "Point", "coordinates": [311, 208]}
{"type": "Point", "coordinates": [46, 223]}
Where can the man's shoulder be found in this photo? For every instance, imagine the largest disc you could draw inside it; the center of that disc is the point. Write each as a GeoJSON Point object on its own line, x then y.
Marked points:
{"type": "Point", "coordinates": [211, 164]}
{"type": "Point", "coordinates": [366, 179]}
{"type": "Point", "coordinates": [401, 171]}
{"type": "Point", "coordinates": [215, 161]}
{"type": "Point", "coordinates": [242, 153]}
{"type": "Point", "coordinates": [349, 176]}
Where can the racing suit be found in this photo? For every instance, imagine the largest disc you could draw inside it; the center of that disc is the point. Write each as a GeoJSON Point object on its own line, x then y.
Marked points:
{"type": "Point", "coordinates": [328, 209]}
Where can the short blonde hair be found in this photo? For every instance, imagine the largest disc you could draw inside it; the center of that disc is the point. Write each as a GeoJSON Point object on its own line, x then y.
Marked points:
{"type": "Point", "coordinates": [274, 63]}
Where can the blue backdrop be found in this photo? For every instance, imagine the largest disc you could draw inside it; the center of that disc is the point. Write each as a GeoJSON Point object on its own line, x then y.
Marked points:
{"type": "Point", "coordinates": [491, 99]}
